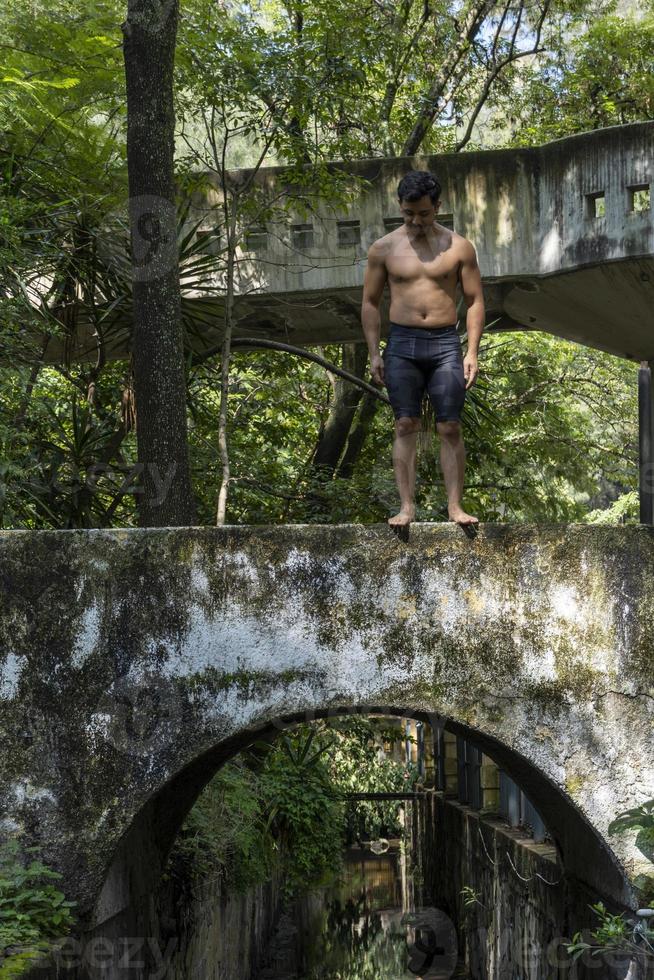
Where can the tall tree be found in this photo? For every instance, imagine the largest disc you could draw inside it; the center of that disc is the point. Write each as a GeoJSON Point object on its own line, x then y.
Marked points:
{"type": "Point", "coordinates": [165, 497]}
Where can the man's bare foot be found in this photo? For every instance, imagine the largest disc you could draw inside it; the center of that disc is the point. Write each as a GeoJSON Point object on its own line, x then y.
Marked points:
{"type": "Point", "coordinates": [459, 515]}
{"type": "Point", "coordinates": [406, 515]}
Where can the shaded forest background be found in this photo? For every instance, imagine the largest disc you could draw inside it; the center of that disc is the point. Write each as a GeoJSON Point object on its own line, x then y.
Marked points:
{"type": "Point", "coordinates": [552, 433]}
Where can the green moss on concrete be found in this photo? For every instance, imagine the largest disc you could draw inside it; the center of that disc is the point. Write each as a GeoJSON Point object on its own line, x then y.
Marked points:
{"type": "Point", "coordinates": [573, 784]}
{"type": "Point", "coordinates": [132, 598]}
{"type": "Point", "coordinates": [253, 683]}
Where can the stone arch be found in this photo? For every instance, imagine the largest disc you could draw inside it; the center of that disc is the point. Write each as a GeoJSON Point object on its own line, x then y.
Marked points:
{"type": "Point", "coordinates": [538, 641]}
{"type": "Point", "coordinates": [122, 905]}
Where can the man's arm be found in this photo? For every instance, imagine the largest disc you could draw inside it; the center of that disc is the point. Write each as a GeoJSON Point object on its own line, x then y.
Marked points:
{"type": "Point", "coordinates": [473, 294]}
{"type": "Point", "coordinates": [374, 280]}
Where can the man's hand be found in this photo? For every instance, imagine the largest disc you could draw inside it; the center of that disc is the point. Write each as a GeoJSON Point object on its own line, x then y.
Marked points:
{"type": "Point", "coordinates": [377, 369]}
{"type": "Point", "coordinates": [470, 370]}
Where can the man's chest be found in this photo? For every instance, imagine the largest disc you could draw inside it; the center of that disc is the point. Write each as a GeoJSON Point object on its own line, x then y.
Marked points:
{"type": "Point", "coordinates": [406, 267]}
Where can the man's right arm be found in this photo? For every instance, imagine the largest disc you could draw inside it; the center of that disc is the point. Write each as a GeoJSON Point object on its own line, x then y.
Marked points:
{"type": "Point", "coordinates": [374, 280]}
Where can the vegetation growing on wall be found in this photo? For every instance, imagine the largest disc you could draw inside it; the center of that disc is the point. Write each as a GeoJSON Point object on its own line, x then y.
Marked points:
{"type": "Point", "coordinates": [620, 934]}
{"type": "Point", "coordinates": [33, 912]}
{"type": "Point", "coordinates": [641, 819]}
{"type": "Point", "coordinates": [272, 807]}
{"type": "Point", "coordinates": [616, 935]}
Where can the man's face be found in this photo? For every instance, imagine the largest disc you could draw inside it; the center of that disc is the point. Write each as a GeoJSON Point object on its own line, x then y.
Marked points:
{"type": "Point", "coordinates": [419, 215]}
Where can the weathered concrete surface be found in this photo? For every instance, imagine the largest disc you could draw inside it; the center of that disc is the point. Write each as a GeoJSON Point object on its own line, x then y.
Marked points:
{"type": "Point", "coordinates": [546, 263]}
{"type": "Point", "coordinates": [135, 662]}
{"type": "Point", "coordinates": [204, 932]}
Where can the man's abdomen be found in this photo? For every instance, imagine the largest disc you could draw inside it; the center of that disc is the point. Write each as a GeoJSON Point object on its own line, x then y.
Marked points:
{"type": "Point", "coordinates": [422, 307]}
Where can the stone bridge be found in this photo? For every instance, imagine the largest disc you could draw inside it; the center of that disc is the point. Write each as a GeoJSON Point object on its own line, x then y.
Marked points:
{"type": "Point", "coordinates": [135, 662]}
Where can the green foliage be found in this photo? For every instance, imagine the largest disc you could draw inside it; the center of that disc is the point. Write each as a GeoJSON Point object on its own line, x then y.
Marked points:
{"type": "Point", "coordinates": [615, 935]}
{"type": "Point", "coordinates": [564, 428]}
{"type": "Point", "coordinates": [626, 509]}
{"type": "Point", "coordinates": [360, 763]}
{"type": "Point", "coordinates": [309, 820]}
{"type": "Point", "coordinates": [33, 912]}
{"type": "Point", "coordinates": [55, 458]}
{"type": "Point", "coordinates": [637, 818]}
{"type": "Point", "coordinates": [600, 76]}
{"type": "Point", "coordinates": [274, 807]}
{"type": "Point", "coordinates": [279, 806]}
{"type": "Point", "coordinates": [640, 818]}
{"type": "Point", "coordinates": [470, 897]}
{"type": "Point", "coordinates": [227, 833]}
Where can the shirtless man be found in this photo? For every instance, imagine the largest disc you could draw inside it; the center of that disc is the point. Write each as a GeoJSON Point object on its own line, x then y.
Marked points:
{"type": "Point", "coordinates": [422, 262]}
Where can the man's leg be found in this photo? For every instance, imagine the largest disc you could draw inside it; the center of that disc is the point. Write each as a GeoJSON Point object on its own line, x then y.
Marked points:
{"type": "Point", "coordinates": [453, 461]}
{"type": "Point", "coordinates": [404, 467]}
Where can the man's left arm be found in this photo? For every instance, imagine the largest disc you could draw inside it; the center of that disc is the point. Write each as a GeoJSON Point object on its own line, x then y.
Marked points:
{"type": "Point", "coordinates": [473, 294]}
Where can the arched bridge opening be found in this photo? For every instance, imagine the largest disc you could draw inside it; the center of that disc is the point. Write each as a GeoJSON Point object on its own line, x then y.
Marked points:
{"type": "Point", "coordinates": [588, 869]}
{"type": "Point", "coordinates": [136, 663]}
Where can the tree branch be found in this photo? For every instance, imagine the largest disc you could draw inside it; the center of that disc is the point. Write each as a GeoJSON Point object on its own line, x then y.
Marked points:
{"type": "Point", "coordinates": [432, 99]}
{"type": "Point", "coordinates": [392, 86]}
{"type": "Point", "coordinates": [511, 57]}
{"type": "Point", "coordinates": [198, 359]}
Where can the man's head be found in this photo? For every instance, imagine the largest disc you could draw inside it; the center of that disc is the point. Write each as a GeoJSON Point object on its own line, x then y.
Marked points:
{"type": "Point", "coordinates": [419, 195]}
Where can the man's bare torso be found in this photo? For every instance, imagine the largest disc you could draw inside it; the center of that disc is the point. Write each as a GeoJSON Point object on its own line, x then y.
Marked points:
{"type": "Point", "coordinates": [423, 271]}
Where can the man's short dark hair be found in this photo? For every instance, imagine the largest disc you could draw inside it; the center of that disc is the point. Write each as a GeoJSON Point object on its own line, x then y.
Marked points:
{"type": "Point", "coordinates": [417, 184]}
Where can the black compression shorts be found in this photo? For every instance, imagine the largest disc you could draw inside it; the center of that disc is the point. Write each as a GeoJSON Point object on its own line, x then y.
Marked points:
{"type": "Point", "coordinates": [419, 359]}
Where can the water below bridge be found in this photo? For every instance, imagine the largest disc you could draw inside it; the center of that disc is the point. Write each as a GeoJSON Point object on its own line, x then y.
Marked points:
{"type": "Point", "coordinates": [371, 924]}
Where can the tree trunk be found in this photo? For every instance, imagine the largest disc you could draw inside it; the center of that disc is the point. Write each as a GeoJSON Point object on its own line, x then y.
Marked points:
{"type": "Point", "coordinates": [357, 437]}
{"type": "Point", "coordinates": [341, 413]}
{"type": "Point", "coordinates": [164, 493]}
{"type": "Point", "coordinates": [226, 360]}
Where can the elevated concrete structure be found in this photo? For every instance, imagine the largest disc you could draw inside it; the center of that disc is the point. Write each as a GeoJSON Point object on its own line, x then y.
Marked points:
{"type": "Point", "coordinates": [564, 241]}
{"type": "Point", "coordinates": [134, 663]}
{"type": "Point", "coordinates": [547, 261]}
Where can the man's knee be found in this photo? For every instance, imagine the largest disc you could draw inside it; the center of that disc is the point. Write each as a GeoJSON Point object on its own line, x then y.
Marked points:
{"type": "Point", "coordinates": [406, 426]}
{"type": "Point", "coordinates": [450, 430]}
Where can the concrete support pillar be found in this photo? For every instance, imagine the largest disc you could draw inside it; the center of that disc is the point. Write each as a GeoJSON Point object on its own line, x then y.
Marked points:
{"type": "Point", "coordinates": [450, 765]}
{"type": "Point", "coordinates": [431, 756]}
{"type": "Point", "coordinates": [645, 443]}
{"type": "Point", "coordinates": [490, 784]}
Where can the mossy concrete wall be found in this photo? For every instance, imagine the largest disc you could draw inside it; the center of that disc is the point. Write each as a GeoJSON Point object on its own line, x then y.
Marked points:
{"type": "Point", "coordinates": [135, 662]}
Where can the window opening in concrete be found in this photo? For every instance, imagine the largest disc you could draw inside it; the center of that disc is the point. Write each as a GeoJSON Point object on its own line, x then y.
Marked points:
{"type": "Point", "coordinates": [256, 238]}
{"type": "Point", "coordinates": [209, 241]}
{"type": "Point", "coordinates": [390, 224]}
{"type": "Point", "coordinates": [302, 236]}
{"type": "Point", "coordinates": [596, 205]}
{"type": "Point", "coordinates": [421, 750]}
{"type": "Point", "coordinates": [349, 232]}
{"type": "Point", "coordinates": [639, 197]}
{"type": "Point", "coordinates": [447, 763]}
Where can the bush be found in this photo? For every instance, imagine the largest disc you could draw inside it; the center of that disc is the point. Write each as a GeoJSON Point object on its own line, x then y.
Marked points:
{"type": "Point", "coordinates": [33, 912]}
